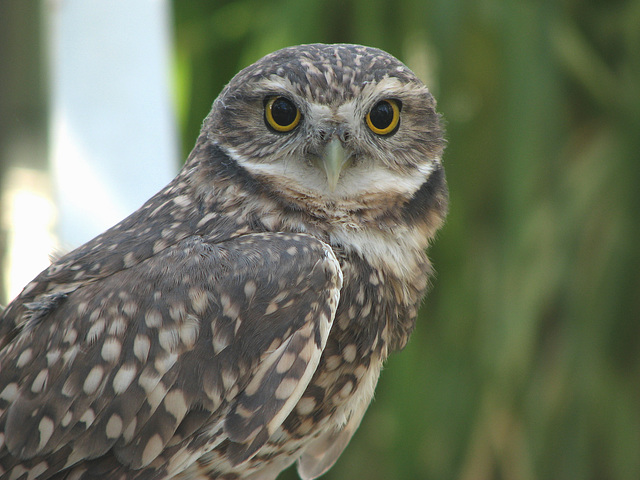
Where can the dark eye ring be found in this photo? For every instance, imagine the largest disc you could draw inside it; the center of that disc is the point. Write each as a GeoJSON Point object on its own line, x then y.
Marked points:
{"type": "Point", "coordinates": [281, 114]}
{"type": "Point", "coordinates": [384, 117]}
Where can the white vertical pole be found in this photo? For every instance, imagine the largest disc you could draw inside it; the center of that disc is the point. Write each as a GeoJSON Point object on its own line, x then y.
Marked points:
{"type": "Point", "coordinates": [113, 136]}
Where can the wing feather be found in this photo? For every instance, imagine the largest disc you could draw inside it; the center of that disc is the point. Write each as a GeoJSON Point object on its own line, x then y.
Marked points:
{"type": "Point", "coordinates": [217, 339]}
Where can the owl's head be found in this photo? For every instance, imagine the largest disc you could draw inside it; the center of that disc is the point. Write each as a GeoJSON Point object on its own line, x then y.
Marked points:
{"type": "Point", "coordinates": [332, 123]}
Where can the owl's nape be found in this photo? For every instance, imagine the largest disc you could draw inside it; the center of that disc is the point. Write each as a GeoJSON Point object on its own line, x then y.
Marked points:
{"type": "Point", "coordinates": [237, 322]}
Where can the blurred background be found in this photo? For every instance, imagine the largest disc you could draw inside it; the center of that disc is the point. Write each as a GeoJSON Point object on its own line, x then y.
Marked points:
{"type": "Point", "coordinates": [525, 363]}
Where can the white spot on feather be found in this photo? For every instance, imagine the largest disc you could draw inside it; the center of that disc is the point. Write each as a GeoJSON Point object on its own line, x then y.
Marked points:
{"type": "Point", "coordinates": [129, 260]}
{"type": "Point", "coordinates": [286, 388]}
{"type": "Point", "coordinates": [52, 356]}
{"type": "Point", "coordinates": [24, 358]}
{"type": "Point", "coordinates": [45, 427]}
{"type": "Point", "coordinates": [176, 404]}
{"type": "Point", "coordinates": [306, 405]}
{"type": "Point", "coordinates": [250, 288]}
{"type": "Point", "coordinates": [66, 420]}
{"type": "Point", "coordinates": [111, 349]}
{"type": "Point", "coordinates": [199, 300]}
{"type": "Point", "coordinates": [10, 392]}
{"type": "Point", "coordinates": [148, 380]}
{"type": "Point", "coordinates": [152, 450]}
{"type": "Point", "coordinates": [123, 378]}
{"type": "Point", "coordinates": [114, 426]}
{"type": "Point", "coordinates": [153, 318]}
{"type": "Point", "coordinates": [164, 362]}
{"type": "Point", "coordinates": [118, 326]}
{"type": "Point", "coordinates": [349, 353]}
{"type": "Point", "coordinates": [285, 362]}
{"type": "Point", "coordinates": [40, 381]}
{"type": "Point", "coordinates": [93, 380]}
{"type": "Point", "coordinates": [168, 338]}
{"type": "Point", "coordinates": [182, 201]}
{"type": "Point", "coordinates": [127, 435]}
{"type": "Point", "coordinates": [70, 336]}
{"type": "Point", "coordinates": [141, 347]}
{"type": "Point", "coordinates": [189, 331]}
{"type": "Point", "coordinates": [96, 330]}
{"type": "Point", "coordinates": [156, 396]}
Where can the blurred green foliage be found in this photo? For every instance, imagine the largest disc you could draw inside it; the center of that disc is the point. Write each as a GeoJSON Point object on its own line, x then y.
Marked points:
{"type": "Point", "coordinates": [526, 360]}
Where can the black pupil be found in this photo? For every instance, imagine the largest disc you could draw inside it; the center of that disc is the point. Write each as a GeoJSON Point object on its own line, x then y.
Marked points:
{"type": "Point", "coordinates": [381, 115]}
{"type": "Point", "coordinates": [283, 112]}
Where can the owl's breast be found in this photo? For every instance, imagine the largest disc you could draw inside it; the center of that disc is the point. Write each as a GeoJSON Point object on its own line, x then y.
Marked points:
{"type": "Point", "coordinates": [369, 317]}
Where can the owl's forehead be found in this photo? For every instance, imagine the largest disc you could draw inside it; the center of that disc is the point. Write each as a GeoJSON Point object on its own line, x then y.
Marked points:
{"type": "Point", "coordinates": [327, 73]}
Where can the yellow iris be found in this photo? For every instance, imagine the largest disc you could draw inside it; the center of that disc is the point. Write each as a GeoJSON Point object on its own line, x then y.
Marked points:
{"type": "Point", "coordinates": [384, 117]}
{"type": "Point", "coordinates": [281, 114]}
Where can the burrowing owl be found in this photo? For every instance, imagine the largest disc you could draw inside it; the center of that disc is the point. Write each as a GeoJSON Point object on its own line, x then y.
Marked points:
{"type": "Point", "coordinates": [237, 322]}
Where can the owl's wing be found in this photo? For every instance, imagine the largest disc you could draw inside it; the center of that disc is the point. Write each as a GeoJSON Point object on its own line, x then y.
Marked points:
{"type": "Point", "coordinates": [223, 335]}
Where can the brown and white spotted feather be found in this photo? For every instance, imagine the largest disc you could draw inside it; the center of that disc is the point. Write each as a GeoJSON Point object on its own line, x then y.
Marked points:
{"type": "Point", "coordinates": [238, 321]}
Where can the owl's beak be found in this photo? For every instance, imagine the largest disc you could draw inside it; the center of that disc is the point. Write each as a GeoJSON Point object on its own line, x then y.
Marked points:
{"type": "Point", "coordinates": [334, 159]}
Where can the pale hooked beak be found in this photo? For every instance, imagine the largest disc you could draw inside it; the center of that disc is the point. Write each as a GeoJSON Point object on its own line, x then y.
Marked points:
{"type": "Point", "coordinates": [334, 159]}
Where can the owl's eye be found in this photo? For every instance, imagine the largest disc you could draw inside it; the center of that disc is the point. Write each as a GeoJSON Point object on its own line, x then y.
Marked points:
{"type": "Point", "coordinates": [281, 114]}
{"type": "Point", "coordinates": [384, 117]}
